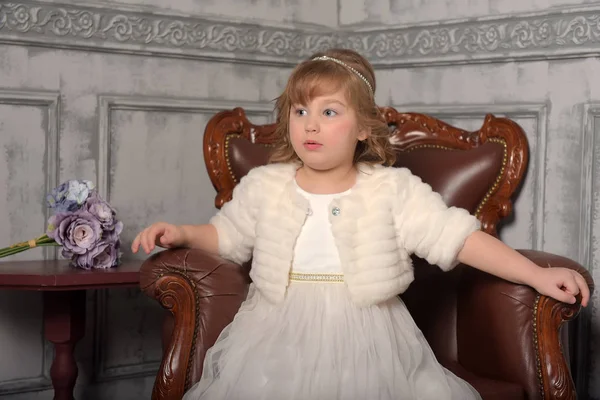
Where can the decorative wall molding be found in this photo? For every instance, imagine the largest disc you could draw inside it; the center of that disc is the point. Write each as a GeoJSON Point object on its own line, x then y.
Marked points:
{"type": "Point", "coordinates": [556, 34]}
{"type": "Point", "coordinates": [51, 102]}
{"type": "Point", "coordinates": [137, 31]}
{"type": "Point", "coordinates": [537, 111]}
{"type": "Point", "coordinates": [107, 105]}
{"type": "Point", "coordinates": [591, 123]}
{"type": "Point", "coordinates": [103, 372]}
{"type": "Point", "coordinates": [591, 117]}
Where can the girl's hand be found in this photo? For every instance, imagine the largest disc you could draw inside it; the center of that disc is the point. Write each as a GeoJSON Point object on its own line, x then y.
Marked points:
{"type": "Point", "coordinates": [160, 234]}
{"type": "Point", "coordinates": [563, 284]}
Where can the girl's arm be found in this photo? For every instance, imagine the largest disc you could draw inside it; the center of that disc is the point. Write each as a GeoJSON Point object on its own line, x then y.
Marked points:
{"type": "Point", "coordinates": [486, 253]}
{"type": "Point", "coordinates": [203, 237]}
{"type": "Point", "coordinates": [230, 233]}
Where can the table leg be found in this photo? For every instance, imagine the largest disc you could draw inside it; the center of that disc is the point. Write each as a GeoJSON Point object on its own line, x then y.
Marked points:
{"type": "Point", "coordinates": [64, 326]}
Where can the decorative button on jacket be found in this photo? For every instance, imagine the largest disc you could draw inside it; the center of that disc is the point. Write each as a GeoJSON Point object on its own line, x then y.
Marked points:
{"type": "Point", "coordinates": [389, 214]}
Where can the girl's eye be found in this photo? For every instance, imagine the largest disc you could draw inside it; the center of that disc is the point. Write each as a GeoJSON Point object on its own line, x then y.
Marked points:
{"type": "Point", "coordinates": [329, 113]}
{"type": "Point", "coordinates": [300, 111]}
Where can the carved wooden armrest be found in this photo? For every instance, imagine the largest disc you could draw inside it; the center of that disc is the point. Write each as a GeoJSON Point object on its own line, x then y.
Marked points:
{"type": "Point", "coordinates": [203, 292]}
{"type": "Point", "coordinates": [510, 332]}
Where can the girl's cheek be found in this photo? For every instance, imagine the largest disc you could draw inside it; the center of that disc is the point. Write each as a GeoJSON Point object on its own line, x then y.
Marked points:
{"type": "Point", "coordinates": [294, 131]}
{"type": "Point", "coordinates": [344, 130]}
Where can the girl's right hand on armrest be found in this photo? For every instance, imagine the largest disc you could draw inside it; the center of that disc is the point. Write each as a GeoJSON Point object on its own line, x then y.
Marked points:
{"type": "Point", "coordinates": [158, 234]}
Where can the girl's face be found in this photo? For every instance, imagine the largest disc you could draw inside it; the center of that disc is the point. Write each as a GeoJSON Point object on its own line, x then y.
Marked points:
{"type": "Point", "coordinates": [324, 133]}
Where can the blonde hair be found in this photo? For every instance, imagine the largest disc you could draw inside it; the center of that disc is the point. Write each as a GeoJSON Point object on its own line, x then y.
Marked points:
{"type": "Point", "coordinates": [313, 78]}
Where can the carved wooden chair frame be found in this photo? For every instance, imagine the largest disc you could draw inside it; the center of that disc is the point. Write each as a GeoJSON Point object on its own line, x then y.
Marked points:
{"type": "Point", "coordinates": [175, 290]}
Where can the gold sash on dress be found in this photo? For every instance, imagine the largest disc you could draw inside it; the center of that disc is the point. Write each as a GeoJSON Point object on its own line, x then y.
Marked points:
{"type": "Point", "coordinates": [309, 277]}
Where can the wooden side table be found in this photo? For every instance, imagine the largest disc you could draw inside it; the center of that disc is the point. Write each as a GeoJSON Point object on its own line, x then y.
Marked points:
{"type": "Point", "coordinates": [64, 290]}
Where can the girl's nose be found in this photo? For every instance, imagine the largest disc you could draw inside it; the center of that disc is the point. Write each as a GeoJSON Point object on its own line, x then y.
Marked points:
{"type": "Point", "coordinates": [311, 127]}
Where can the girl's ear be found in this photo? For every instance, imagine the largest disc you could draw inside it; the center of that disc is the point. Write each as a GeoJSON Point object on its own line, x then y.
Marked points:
{"type": "Point", "coordinates": [364, 133]}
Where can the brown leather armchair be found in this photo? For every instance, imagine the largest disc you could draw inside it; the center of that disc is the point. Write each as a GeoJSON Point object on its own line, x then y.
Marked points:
{"type": "Point", "coordinates": [505, 339]}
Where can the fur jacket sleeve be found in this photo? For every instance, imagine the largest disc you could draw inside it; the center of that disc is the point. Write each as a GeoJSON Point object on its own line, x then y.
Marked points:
{"type": "Point", "coordinates": [236, 221]}
{"type": "Point", "coordinates": [426, 226]}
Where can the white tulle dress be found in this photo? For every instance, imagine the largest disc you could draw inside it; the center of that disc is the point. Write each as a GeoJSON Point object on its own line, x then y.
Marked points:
{"type": "Point", "coordinates": [317, 345]}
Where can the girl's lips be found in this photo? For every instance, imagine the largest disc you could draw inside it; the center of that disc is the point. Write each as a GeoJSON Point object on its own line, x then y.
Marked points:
{"type": "Point", "coordinates": [312, 145]}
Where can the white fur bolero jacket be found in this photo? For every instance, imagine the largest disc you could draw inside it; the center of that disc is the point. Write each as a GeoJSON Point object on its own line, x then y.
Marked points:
{"type": "Point", "coordinates": [388, 215]}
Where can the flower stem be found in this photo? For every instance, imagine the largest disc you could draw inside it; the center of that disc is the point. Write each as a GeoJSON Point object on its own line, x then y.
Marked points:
{"type": "Point", "coordinates": [43, 240]}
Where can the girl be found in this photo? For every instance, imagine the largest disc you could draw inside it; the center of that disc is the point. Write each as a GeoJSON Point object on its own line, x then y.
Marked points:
{"type": "Point", "coordinates": [330, 228]}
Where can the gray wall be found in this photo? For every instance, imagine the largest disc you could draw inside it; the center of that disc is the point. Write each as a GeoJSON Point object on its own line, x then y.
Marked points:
{"type": "Point", "coordinates": [121, 92]}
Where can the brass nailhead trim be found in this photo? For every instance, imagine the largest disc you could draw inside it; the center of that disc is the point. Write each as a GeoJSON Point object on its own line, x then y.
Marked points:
{"type": "Point", "coordinates": [538, 361]}
{"type": "Point", "coordinates": [498, 178]}
{"type": "Point", "coordinates": [188, 371]}
{"type": "Point", "coordinates": [188, 374]}
{"type": "Point", "coordinates": [429, 146]}
{"type": "Point", "coordinates": [227, 160]}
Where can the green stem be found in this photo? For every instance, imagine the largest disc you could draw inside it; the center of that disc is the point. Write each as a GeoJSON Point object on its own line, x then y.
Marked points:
{"type": "Point", "coordinates": [12, 251]}
{"type": "Point", "coordinates": [43, 240]}
{"type": "Point", "coordinates": [16, 250]}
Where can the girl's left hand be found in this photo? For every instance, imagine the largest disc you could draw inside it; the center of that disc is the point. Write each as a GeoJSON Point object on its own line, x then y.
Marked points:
{"type": "Point", "coordinates": [563, 284]}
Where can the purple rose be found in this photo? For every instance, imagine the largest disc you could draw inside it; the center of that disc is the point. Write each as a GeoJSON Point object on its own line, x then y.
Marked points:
{"type": "Point", "coordinates": [104, 255]}
{"type": "Point", "coordinates": [77, 232]}
{"type": "Point", "coordinates": [102, 211]}
{"type": "Point", "coordinates": [66, 254]}
{"type": "Point", "coordinates": [112, 235]}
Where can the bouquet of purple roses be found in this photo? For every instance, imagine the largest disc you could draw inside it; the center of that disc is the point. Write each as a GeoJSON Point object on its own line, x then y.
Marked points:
{"type": "Point", "coordinates": [82, 223]}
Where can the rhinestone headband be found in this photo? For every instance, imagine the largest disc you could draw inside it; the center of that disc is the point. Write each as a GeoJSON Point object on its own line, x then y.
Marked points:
{"type": "Point", "coordinates": [335, 60]}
